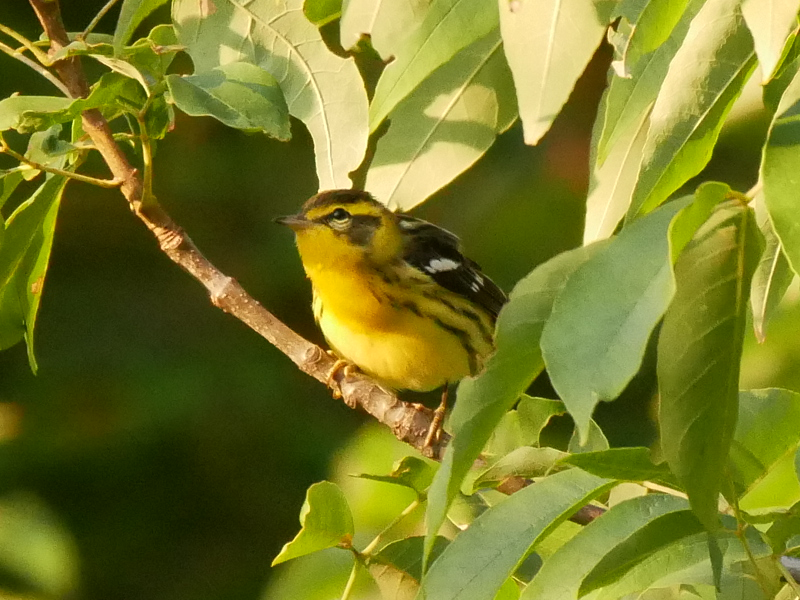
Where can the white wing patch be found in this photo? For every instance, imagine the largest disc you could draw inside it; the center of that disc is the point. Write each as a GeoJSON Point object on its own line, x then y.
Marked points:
{"type": "Point", "coordinates": [438, 265]}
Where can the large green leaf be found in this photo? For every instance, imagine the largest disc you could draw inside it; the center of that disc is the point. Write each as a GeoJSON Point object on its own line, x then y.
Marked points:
{"type": "Point", "coordinates": [625, 464]}
{"type": "Point", "coordinates": [241, 95]}
{"type": "Point", "coordinates": [387, 22]}
{"type": "Point", "coordinates": [480, 559]}
{"type": "Point", "coordinates": [484, 400]}
{"type": "Point", "coordinates": [766, 440]}
{"type": "Point", "coordinates": [779, 166]}
{"type": "Point", "coordinates": [699, 352]}
{"type": "Point", "coordinates": [562, 573]}
{"type": "Point", "coordinates": [449, 26]}
{"type": "Point", "coordinates": [326, 522]}
{"type": "Point", "coordinates": [323, 90]}
{"type": "Point", "coordinates": [133, 12]}
{"type": "Point", "coordinates": [705, 76]}
{"type": "Point", "coordinates": [444, 126]}
{"type": "Point", "coordinates": [770, 22]}
{"type": "Point", "coordinates": [548, 44]}
{"type": "Point", "coordinates": [13, 109]}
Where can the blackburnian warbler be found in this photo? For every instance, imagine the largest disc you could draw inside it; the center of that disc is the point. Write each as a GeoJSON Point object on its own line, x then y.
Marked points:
{"type": "Point", "coordinates": [393, 294]}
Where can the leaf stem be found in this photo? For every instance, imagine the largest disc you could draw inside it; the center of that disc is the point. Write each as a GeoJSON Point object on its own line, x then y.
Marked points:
{"type": "Point", "coordinates": [104, 183]}
{"type": "Point", "coordinates": [741, 526]}
{"type": "Point", "coordinates": [93, 23]}
{"type": "Point", "coordinates": [351, 581]}
{"type": "Point", "coordinates": [35, 66]}
{"type": "Point", "coordinates": [147, 162]}
{"type": "Point", "coordinates": [40, 56]}
{"type": "Point", "coordinates": [376, 540]}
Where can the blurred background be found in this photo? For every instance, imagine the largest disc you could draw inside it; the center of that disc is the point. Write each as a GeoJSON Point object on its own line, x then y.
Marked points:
{"type": "Point", "coordinates": [163, 450]}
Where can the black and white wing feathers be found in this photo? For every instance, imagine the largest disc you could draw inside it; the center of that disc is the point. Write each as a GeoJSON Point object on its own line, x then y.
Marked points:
{"type": "Point", "coordinates": [437, 253]}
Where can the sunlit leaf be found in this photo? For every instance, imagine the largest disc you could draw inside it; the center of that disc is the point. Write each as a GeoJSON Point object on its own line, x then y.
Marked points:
{"type": "Point", "coordinates": [444, 126]}
{"type": "Point", "coordinates": [699, 352]}
{"type": "Point", "coordinates": [512, 368]}
{"type": "Point", "coordinates": [322, 12]}
{"type": "Point", "coordinates": [770, 281]}
{"type": "Point", "coordinates": [240, 95]}
{"type": "Point", "coordinates": [527, 462]}
{"type": "Point", "coordinates": [523, 425]}
{"type": "Point", "coordinates": [548, 44]}
{"type": "Point", "coordinates": [480, 559]}
{"type": "Point", "coordinates": [770, 22]}
{"type": "Point", "coordinates": [13, 109]}
{"type": "Point", "coordinates": [387, 22]}
{"type": "Point", "coordinates": [324, 91]}
{"type": "Point", "coordinates": [625, 464]}
{"type": "Point", "coordinates": [449, 26]}
{"type": "Point", "coordinates": [397, 567]}
{"type": "Point", "coordinates": [132, 13]}
{"type": "Point", "coordinates": [410, 472]}
{"type": "Point", "coordinates": [704, 78]}
{"type": "Point", "coordinates": [326, 522]}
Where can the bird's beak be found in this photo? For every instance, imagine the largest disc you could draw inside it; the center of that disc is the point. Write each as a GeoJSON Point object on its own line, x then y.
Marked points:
{"type": "Point", "coordinates": [294, 221]}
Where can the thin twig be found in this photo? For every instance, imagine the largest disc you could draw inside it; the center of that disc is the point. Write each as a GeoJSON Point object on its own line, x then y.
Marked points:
{"type": "Point", "coordinates": [351, 581]}
{"type": "Point", "coordinates": [377, 539]}
{"type": "Point", "coordinates": [93, 23]}
{"type": "Point", "coordinates": [104, 183]}
{"type": "Point", "coordinates": [29, 45]}
{"type": "Point", "coordinates": [35, 66]}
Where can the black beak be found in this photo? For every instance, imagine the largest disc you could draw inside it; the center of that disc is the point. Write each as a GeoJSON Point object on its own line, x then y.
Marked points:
{"type": "Point", "coordinates": [294, 221]}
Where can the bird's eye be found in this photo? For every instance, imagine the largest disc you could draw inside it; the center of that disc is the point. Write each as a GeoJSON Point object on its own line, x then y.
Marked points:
{"type": "Point", "coordinates": [340, 215]}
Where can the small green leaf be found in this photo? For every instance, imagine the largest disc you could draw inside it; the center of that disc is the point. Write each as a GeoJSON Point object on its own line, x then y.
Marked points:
{"type": "Point", "coordinates": [779, 164]}
{"type": "Point", "coordinates": [240, 95]}
{"type": "Point", "coordinates": [449, 26]}
{"type": "Point", "coordinates": [397, 567]}
{"type": "Point", "coordinates": [595, 440]}
{"type": "Point", "coordinates": [770, 22]}
{"type": "Point", "coordinates": [326, 522]}
{"type": "Point", "coordinates": [548, 44]}
{"type": "Point", "coordinates": [523, 425]}
{"type": "Point", "coordinates": [475, 565]}
{"type": "Point", "coordinates": [446, 124]}
{"type": "Point", "coordinates": [322, 12]}
{"type": "Point", "coordinates": [48, 149]}
{"type": "Point", "coordinates": [387, 22]}
{"type": "Point", "coordinates": [524, 462]}
{"type": "Point", "coordinates": [699, 352]}
{"type": "Point", "coordinates": [410, 472]}
{"type": "Point", "coordinates": [705, 76]}
{"type": "Point", "coordinates": [133, 12]}
{"type": "Point", "coordinates": [625, 464]}
{"type": "Point", "coordinates": [8, 183]}
{"type": "Point", "coordinates": [326, 92]}
{"type": "Point", "coordinates": [13, 110]}
{"type": "Point", "coordinates": [562, 573]}
{"type": "Point", "coordinates": [511, 369]}
{"type": "Point", "coordinates": [152, 56]}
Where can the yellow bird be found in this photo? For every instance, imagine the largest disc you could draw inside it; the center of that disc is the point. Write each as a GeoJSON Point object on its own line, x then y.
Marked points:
{"type": "Point", "coordinates": [393, 294]}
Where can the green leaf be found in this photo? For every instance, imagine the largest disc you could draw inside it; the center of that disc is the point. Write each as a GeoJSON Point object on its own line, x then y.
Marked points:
{"type": "Point", "coordinates": [525, 462]}
{"type": "Point", "coordinates": [480, 559]}
{"type": "Point", "coordinates": [523, 425]}
{"type": "Point", "coordinates": [324, 91]}
{"type": "Point", "coordinates": [8, 183]}
{"type": "Point", "coordinates": [627, 102]}
{"type": "Point", "coordinates": [562, 573]}
{"type": "Point", "coordinates": [780, 162]}
{"type": "Point", "coordinates": [326, 522]}
{"type": "Point", "coordinates": [634, 270]}
{"type": "Point", "coordinates": [387, 22]}
{"type": "Point", "coordinates": [48, 149]}
{"type": "Point", "coordinates": [397, 567]}
{"type": "Point", "coordinates": [770, 22]}
{"type": "Point", "coordinates": [705, 76]}
{"type": "Point", "coordinates": [13, 110]}
{"type": "Point", "coordinates": [133, 12]}
{"type": "Point", "coordinates": [449, 26]}
{"type": "Point", "coordinates": [787, 69]}
{"type": "Point", "coordinates": [410, 472]}
{"type": "Point", "coordinates": [484, 400]}
{"type": "Point", "coordinates": [444, 126]}
{"type": "Point", "coordinates": [699, 352]}
{"type": "Point", "coordinates": [770, 281]}
{"type": "Point", "coordinates": [322, 12]}
{"type": "Point", "coordinates": [240, 95]}
{"type": "Point", "coordinates": [624, 464]}
{"type": "Point", "coordinates": [152, 56]}
{"type": "Point", "coordinates": [784, 529]}
{"type": "Point", "coordinates": [594, 441]}
{"type": "Point", "coordinates": [648, 539]}
{"type": "Point", "coordinates": [548, 44]}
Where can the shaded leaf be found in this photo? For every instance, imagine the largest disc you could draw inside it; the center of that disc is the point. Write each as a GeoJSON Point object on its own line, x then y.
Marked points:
{"type": "Point", "coordinates": [449, 26]}
{"type": "Point", "coordinates": [509, 371]}
{"type": "Point", "coordinates": [410, 472]}
{"type": "Point", "coordinates": [240, 95]}
{"type": "Point", "coordinates": [699, 352]}
{"type": "Point", "coordinates": [770, 281]}
{"type": "Point", "coordinates": [480, 559]}
{"type": "Point", "coordinates": [132, 13]}
{"type": "Point", "coordinates": [561, 575]}
{"type": "Point", "coordinates": [13, 110]}
{"type": "Point", "coordinates": [704, 78]}
{"type": "Point", "coordinates": [326, 522]}
{"type": "Point", "coordinates": [525, 462]}
{"type": "Point", "coordinates": [595, 440]}
{"type": "Point", "coordinates": [324, 91]}
{"type": "Point", "coordinates": [444, 126]}
{"type": "Point", "coordinates": [387, 22]}
{"type": "Point", "coordinates": [548, 44]}
{"type": "Point", "coordinates": [770, 22]}
{"type": "Point", "coordinates": [625, 464]}
{"type": "Point", "coordinates": [397, 567]}
{"type": "Point", "coordinates": [523, 425]}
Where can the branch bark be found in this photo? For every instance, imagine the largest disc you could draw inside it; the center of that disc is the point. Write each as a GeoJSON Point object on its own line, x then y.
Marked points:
{"type": "Point", "coordinates": [409, 422]}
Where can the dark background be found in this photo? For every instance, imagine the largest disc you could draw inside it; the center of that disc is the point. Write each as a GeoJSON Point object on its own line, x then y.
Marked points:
{"type": "Point", "coordinates": [169, 445]}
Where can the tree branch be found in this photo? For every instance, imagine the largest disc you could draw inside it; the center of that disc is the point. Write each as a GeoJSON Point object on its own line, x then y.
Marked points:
{"type": "Point", "coordinates": [409, 422]}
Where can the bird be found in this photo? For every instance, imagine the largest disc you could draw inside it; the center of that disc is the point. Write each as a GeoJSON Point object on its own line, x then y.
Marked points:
{"type": "Point", "coordinates": [393, 295]}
